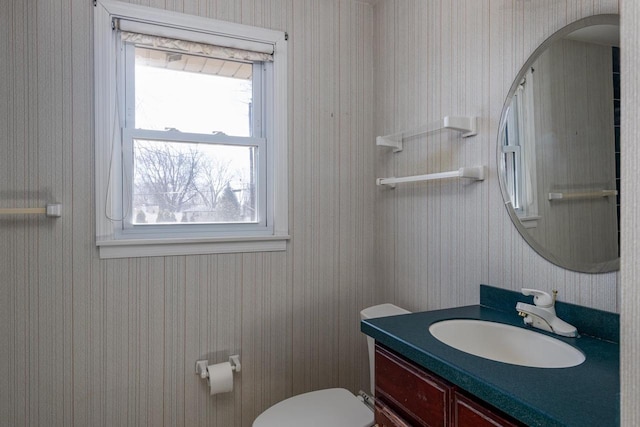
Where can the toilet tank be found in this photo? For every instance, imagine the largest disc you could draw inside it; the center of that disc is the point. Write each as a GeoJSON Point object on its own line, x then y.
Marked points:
{"type": "Point", "coordinates": [382, 310]}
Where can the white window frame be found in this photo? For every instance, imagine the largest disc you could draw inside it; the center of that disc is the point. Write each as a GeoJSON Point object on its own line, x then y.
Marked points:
{"type": "Point", "coordinates": [112, 238]}
{"type": "Point", "coordinates": [513, 158]}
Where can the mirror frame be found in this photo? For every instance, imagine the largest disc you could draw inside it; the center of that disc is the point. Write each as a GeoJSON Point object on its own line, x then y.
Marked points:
{"type": "Point", "coordinates": [592, 268]}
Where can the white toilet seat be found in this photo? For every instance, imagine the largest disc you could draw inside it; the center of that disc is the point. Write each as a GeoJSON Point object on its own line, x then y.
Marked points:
{"type": "Point", "coordinates": [334, 407]}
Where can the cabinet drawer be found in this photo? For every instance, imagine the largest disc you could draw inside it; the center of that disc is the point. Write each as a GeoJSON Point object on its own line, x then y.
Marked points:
{"type": "Point", "coordinates": [468, 413]}
{"type": "Point", "coordinates": [412, 393]}
{"type": "Point", "coordinates": [386, 417]}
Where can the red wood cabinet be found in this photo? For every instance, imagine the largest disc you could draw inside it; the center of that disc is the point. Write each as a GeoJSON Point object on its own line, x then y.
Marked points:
{"type": "Point", "coordinates": [470, 412]}
{"type": "Point", "coordinates": [408, 395]}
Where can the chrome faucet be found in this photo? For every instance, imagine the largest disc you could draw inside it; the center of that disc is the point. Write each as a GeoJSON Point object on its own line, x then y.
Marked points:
{"type": "Point", "coordinates": [542, 315]}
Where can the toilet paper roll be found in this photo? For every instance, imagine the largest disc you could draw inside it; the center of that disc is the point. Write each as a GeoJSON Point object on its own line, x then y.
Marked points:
{"type": "Point", "coordinates": [220, 378]}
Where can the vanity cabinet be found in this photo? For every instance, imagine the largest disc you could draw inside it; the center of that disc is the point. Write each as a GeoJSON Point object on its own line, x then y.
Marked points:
{"type": "Point", "coordinates": [408, 395]}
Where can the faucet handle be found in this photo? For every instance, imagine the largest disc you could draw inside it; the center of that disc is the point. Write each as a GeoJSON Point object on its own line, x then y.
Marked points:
{"type": "Point", "coordinates": [540, 298]}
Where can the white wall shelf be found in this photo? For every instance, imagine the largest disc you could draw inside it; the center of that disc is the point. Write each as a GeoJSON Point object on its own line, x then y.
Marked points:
{"type": "Point", "coordinates": [466, 125]}
{"type": "Point", "coordinates": [475, 173]}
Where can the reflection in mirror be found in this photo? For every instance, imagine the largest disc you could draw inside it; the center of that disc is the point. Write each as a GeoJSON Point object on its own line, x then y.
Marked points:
{"type": "Point", "coordinates": [559, 147]}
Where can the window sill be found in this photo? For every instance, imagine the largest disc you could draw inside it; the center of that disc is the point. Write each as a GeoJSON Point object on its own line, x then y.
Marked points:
{"type": "Point", "coordinates": [135, 248]}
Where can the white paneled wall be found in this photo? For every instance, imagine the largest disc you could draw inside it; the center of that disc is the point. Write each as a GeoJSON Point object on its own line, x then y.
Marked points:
{"type": "Point", "coordinates": [96, 342]}
{"type": "Point", "coordinates": [630, 293]}
{"type": "Point", "coordinates": [437, 241]}
{"type": "Point", "coordinates": [92, 342]}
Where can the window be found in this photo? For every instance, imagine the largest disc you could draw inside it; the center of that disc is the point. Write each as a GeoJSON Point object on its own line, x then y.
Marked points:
{"type": "Point", "coordinates": [191, 141]}
{"type": "Point", "coordinates": [519, 153]}
{"type": "Point", "coordinates": [513, 158]}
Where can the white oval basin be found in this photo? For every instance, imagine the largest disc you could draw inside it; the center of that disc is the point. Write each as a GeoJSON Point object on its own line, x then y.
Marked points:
{"type": "Point", "coordinates": [506, 343]}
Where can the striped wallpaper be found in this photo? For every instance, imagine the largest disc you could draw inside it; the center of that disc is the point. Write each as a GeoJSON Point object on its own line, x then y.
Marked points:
{"type": "Point", "coordinates": [630, 283]}
{"type": "Point", "coordinates": [436, 241]}
{"type": "Point", "coordinates": [113, 342]}
{"type": "Point", "coordinates": [92, 342]}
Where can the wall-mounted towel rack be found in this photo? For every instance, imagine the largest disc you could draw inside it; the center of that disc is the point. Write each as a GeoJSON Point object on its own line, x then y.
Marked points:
{"type": "Point", "coordinates": [52, 210]}
{"type": "Point", "coordinates": [467, 125]}
{"type": "Point", "coordinates": [575, 195]}
{"type": "Point", "coordinates": [475, 173]}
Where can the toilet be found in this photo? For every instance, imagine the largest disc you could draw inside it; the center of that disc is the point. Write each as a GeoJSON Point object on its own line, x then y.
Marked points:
{"type": "Point", "coordinates": [336, 407]}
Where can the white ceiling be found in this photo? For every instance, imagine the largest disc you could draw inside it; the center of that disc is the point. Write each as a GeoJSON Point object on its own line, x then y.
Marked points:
{"type": "Point", "coordinates": [608, 35]}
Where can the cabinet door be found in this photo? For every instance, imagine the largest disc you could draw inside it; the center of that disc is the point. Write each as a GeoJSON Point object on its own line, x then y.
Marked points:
{"type": "Point", "coordinates": [386, 417]}
{"type": "Point", "coordinates": [420, 398]}
{"type": "Point", "coordinates": [468, 413]}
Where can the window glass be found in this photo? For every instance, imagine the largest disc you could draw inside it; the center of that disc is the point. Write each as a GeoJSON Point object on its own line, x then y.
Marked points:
{"type": "Point", "coordinates": [189, 93]}
{"type": "Point", "coordinates": [177, 182]}
{"type": "Point", "coordinates": [181, 178]}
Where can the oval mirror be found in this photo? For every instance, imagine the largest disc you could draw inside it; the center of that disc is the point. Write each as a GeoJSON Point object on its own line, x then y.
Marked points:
{"type": "Point", "coordinates": [558, 147]}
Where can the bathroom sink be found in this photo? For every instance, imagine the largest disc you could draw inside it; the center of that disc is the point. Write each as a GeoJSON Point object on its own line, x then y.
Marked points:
{"type": "Point", "coordinates": [506, 343]}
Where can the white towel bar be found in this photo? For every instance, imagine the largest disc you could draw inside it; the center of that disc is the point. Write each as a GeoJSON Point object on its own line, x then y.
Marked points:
{"type": "Point", "coordinates": [475, 173]}
{"type": "Point", "coordinates": [52, 210]}
{"type": "Point", "coordinates": [582, 195]}
{"type": "Point", "coordinates": [466, 125]}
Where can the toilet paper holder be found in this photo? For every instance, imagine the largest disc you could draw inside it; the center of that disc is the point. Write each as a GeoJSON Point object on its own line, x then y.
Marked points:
{"type": "Point", "coordinates": [203, 371]}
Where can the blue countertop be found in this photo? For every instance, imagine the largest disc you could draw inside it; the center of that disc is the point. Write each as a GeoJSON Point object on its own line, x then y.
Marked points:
{"type": "Point", "coordinates": [584, 395]}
